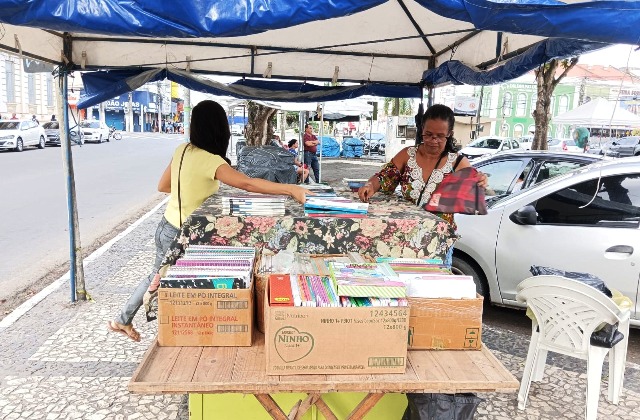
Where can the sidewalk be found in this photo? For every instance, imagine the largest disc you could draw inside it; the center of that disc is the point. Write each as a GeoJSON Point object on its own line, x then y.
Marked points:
{"type": "Point", "coordinates": [60, 362]}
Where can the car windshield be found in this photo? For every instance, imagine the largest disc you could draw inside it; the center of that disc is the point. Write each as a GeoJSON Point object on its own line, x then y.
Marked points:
{"type": "Point", "coordinates": [90, 124]}
{"type": "Point", "coordinates": [9, 125]}
{"type": "Point", "coordinates": [51, 125]}
{"type": "Point", "coordinates": [486, 143]}
{"type": "Point", "coordinates": [570, 142]}
{"type": "Point", "coordinates": [554, 142]}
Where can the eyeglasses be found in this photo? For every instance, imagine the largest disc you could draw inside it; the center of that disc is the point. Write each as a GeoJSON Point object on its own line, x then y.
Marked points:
{"type": "Point", "coordinates": [438, 137]}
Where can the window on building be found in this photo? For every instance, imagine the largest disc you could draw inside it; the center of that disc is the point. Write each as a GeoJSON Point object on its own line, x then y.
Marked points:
{"type": "Point", "coordinates": [518, 131]}
{"type": "Point", "coordinates": [552, 107]}
{"type": "Point", "coordinates": [534, 101]}
{"type": "Point", "coordinates": [31, 88]}
{"type": "Point", "coordinates": [486, 104]}
{"type": "Point", "coordinates": [49, 90]}
{"type": "Point", "coordinates": [10, 80]}
{"type": "Point", "coordinates": [521, 105]}
{"type": "Point", "coordinates": [563, 104]}
{"type": "Point", "coordinates": [507, 104]}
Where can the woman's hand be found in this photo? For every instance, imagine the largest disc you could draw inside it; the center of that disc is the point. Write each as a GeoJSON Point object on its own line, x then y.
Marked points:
{"type": "Point", "coordinates": [366, 192]}
{"type": "Point", "coordinates": [483, 180]}
{"type": "Point", "coordinates": [300, 193]}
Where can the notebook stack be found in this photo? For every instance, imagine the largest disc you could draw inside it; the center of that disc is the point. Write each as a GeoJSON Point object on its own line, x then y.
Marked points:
{"type": "Point", "coordinates": [368, 280]}
{"type": "Point", "coordinates": [211, 267]}
{"type": "Point", "coordinates": [320, 190]}
{"type": "Point", "coordinates": [253, 205]}
{"type": "Point", "coordinates": [334, 207]}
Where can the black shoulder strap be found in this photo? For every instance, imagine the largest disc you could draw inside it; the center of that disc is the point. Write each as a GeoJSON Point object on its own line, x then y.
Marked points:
{"type": "Point", "coordinates": [179, 171]}
{"type": "Point", "coordinates": [458, 159]}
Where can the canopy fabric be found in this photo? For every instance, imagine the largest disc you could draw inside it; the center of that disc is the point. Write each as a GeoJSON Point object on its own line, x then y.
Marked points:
{"type": "Point", "coordinates": [599, 113]}
{"type": "Point", "coordinates": [359, 41]}
{"type": "Point", "coordinates": [101, 86]}
{"type": "Point", "coordinates": [457, 73]}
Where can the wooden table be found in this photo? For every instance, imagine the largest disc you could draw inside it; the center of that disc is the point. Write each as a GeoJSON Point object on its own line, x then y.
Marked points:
{"type": "Point", "coordinates": [206, 370]}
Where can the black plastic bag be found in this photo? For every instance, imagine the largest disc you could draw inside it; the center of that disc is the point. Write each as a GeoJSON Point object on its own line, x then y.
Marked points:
{"type": "Point", "coordinates": [268, 162]}
{"type": "Point", "coordinates": [441, 406]}
{"type": "Point", "coordinates": [585, 278]}
{"type": "Point", "coordinates": [608, 336]}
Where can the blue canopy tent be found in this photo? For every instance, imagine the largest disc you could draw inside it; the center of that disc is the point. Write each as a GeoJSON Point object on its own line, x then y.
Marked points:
{"type": "Point", "coordinates": [368, 42]}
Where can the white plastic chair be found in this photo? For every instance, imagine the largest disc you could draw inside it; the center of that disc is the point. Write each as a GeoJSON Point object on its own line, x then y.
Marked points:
{"type": "Point", "coordinates": [566, 314]}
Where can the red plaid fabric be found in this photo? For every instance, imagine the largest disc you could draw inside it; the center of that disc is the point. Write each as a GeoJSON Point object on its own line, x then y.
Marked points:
{"type": "Point", "coordinates": [458, 193]}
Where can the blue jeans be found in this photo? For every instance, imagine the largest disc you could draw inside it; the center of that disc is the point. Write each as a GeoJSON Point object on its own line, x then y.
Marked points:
{"type": "Point", "coordinates": [312, 160]}
{"type": "Point", "coordinates": [165, 234]}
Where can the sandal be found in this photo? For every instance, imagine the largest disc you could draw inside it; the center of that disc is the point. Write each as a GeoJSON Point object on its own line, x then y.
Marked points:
{"type": "Point", "coordinates": [126, 330]}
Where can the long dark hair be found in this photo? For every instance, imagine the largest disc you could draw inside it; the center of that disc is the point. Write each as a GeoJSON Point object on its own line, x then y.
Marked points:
{"type": "Point", "coordinates": [210, 128]}
{"type": "Point", "coordinates": [444, 113]}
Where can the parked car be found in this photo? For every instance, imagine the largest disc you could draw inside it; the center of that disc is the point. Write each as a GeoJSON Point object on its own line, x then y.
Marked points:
{"type": "Point", "coordinates": [18, 134]}
{"type": "Point", "coordinates": [600, 146]}
{"type": "Point", "coordinates": [586, 220]}
{"type": "Point", "coordinates": [488, 145]}
{"type": "Point", "coordinates": [52, 130]}
{"type": "Point", "coordinates": [93, 130]}
{"type": "Point", "coordinates": [625, 146]}
{"type": "Point", "coordinates": [564, 145]}
{"type": "Point", "coordinates": [517, 170]}
{"type": "Point", "coordinates": [526, 142]}
{"type": "Point", "coordinates": [372, 141]}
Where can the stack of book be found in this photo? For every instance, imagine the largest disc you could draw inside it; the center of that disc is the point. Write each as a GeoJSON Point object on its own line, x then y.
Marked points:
{"type": "Point", "coordinates": [212, 267]}
{"type": "Point", "coordinates": [320, 190]}
{"type": "Point", "coordinates": [253, 205]}
{"type": "Point", "coordinates": [370, 280]}
{"type": "Point", "coordinates": [334, 207]}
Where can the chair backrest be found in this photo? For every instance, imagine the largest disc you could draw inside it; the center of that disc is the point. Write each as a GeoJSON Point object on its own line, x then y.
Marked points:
{"type": "Point", "coordinates": [567, 311]}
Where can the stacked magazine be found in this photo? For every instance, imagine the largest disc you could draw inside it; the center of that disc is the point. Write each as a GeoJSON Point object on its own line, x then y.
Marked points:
{"type": "Point", "coordinates": [376, 280]}
{"type": "Point", "coordinates": [334, 206]}
{"type": "Point", "coordinates": [253, 205]}
{"type": "Point", "coordinates": [212, 267]}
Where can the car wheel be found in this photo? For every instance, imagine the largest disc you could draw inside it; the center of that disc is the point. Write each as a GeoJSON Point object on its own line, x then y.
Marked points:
{"type": "Point", "coordinates": [19, 146]}
{"type": "Point", "coordinates": [100, 139]}
{"type": "Point", "coordinates": [108, 138]}
{"type": "Point", "coordinates": [463, 268]}
{"type": "Point", "coordinates": [41, 143]}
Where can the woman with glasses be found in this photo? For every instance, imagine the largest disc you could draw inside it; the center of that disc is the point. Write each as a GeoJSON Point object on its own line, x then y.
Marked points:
{"type": "Point", "coordinates": [419, 169]}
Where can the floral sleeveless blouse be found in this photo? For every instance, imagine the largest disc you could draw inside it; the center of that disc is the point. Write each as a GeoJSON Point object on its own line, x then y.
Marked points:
{"type": "Point", "coordinates": [412, 182]}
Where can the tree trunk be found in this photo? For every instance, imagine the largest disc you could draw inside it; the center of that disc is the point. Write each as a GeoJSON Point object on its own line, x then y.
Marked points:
{"type": "Point", "coordinates": [260, 124]}
{"type": "Point", "coordinates": [546, 82]}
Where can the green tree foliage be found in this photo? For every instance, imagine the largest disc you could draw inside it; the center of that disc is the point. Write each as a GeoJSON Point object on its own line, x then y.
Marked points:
{"type": "Point", "coordinates": [398, 106]}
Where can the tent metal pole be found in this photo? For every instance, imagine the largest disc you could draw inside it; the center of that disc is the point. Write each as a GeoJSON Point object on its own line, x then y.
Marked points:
{"type": "Point", "coordinates": [76, 271]}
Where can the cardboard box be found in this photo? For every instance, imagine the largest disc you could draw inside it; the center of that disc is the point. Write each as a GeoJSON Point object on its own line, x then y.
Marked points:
{"type": "Point", "coordinates": [205, 317]}
{"type": "Point", "coordinates": [309, 340]}
{"type": "Point", "coordinates": [445, 324]}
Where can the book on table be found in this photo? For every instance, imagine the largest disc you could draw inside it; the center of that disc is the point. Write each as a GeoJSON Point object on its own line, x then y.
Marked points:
{"type": "Point", "coordinates": [338, 206]}
{"type": "Point", "coordinates": [253, 204]}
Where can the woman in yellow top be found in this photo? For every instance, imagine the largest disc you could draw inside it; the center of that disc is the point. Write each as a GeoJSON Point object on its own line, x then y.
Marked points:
{"type": "Point", "coordinates": [200, 166]}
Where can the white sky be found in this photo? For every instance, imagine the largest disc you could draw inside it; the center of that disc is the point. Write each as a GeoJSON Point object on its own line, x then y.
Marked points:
{"type": "Point", "coordinates": [616, 56]}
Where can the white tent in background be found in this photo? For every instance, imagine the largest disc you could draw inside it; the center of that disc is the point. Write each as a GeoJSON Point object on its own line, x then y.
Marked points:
{"type": "Point", "coordinates": [599, 113]}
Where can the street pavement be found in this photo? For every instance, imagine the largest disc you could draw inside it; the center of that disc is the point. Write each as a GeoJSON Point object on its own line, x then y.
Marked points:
{"type": "Point", "coordinates": [60, 362]}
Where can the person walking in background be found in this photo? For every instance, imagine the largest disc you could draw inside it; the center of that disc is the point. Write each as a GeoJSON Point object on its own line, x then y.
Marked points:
{"type": "Point", "coordinates": [194, 174]}
{"type": "Point", "coordinates": [33, 118]}
{"type": "Point", "coordinates": [53, 117]}
{"type": "Point", "coordinates": [310, 142]}
{"type": "Point", "coordinates": [14, 116]}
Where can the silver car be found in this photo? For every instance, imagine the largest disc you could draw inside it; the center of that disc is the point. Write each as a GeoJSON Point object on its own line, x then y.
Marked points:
{"type": "Point", "coordinates": [586, 220]}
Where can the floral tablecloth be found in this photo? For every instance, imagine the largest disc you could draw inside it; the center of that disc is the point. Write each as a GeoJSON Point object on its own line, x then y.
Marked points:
{"type": "Point", "coordinates": [392, 228]}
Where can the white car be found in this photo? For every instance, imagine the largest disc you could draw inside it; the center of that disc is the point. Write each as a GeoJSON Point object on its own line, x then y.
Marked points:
{"type": "Point", "coordinates": [564, 145]}
{"type": "Point", "coordinates": [488, 145]}
{"type": "Point", "coordinates": [18, 134]}
{"type": "Point", "coordinates": [93, 130]}
{"type": "Point", "coordinates": [587, 220]}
